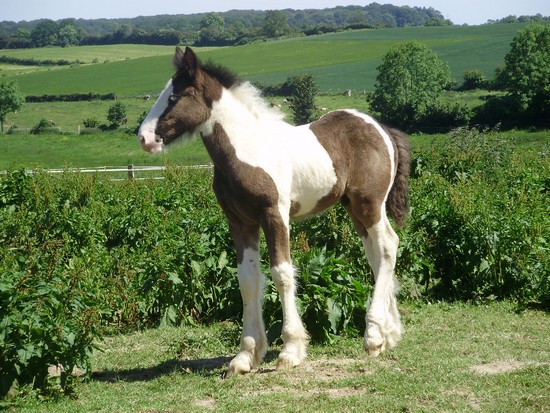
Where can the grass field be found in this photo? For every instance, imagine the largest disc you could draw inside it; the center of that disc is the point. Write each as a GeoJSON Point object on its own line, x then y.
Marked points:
{"type": "Point", "coordinates": [339, 61]}
{"type": "Point", "coordinates": [454, 357]}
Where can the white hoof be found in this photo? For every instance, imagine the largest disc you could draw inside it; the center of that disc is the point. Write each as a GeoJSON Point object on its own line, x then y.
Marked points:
{"type": "Point", "coordinates": [288, 361]}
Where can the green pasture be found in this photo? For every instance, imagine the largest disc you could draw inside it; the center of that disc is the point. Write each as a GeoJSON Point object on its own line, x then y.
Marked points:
{"type": "Point", "coordinates": [339, 61]}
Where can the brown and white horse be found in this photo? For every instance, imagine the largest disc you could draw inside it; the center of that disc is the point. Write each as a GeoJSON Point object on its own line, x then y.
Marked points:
{"type": "Point", "coordinates": [267, 172]}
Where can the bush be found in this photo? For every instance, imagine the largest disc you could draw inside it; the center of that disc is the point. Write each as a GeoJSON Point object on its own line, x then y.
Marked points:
{"type": "Point", "coordinates": [42, 127]}
{"type": "Point", "coordinates": [440, 117]}
{"type": "Point", "coordinates": [474, 79]}
{"type": "Point", "coordinates": [116, 114]}
{"type": "Point", "coordinates": [477, 231]}
{"type": "Point", "coordinates": [90, 123]}
{"type": "Point", "coordinates": [304, 89]}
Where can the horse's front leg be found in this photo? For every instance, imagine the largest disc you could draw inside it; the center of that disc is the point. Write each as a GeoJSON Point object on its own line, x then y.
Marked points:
{"type": "Point", "coordinates": [251, 283]}
{"type": "Point", "coordinates": [295, 337]}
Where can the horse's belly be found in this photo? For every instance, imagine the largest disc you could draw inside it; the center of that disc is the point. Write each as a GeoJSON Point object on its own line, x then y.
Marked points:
{"type": "Point", "coordinates": [313, 185]}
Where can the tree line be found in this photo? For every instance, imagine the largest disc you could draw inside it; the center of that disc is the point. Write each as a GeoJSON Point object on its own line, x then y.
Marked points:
{"type": "Point", "coordinates": [228, 28]}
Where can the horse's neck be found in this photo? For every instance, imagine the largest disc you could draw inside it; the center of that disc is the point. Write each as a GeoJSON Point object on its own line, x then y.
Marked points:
{"type": "Point", "coordinates": [227, 112]}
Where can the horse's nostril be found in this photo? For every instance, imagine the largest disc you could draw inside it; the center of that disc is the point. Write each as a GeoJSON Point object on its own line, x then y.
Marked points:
{"type": "Point", "coordinates": [141, 139]}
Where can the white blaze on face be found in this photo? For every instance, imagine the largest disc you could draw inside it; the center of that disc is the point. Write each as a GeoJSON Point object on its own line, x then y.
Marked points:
{"type": "Point", "coordinates": [149, 140]}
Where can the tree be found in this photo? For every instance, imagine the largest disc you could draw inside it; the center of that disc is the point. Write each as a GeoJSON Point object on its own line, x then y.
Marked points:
{"type": "Point", "coordinates": [410, 79]}
{"type": "Point", "coordinates": [45, 34]}
{"type": "Point", "coordinates": [212, 27]}
{"type": "Point", "coordinates": [275, 24]}
{"type": "Point", "coordinates": [304, 89]}
{"type": "Point", "coordinates": [527, 72]}
{"type": "Point", "coordinates": [116, 114]}
{"type": "Point", "coordinates": [11, 100]}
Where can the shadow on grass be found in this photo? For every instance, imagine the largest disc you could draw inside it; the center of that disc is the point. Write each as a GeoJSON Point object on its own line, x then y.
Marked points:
{"type": "Point", "coordinates": [216, 366]}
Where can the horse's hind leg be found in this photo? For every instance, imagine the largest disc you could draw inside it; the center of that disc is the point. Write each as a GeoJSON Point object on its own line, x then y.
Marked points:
{"type": "Point", "coordinates": [383, 325]}
{"type": "Point", "coordinates": [251, 283]}
{"type": "Point", "coordinates": [383, 329]}
{"type": "Point", "coordinates": [295, 338]}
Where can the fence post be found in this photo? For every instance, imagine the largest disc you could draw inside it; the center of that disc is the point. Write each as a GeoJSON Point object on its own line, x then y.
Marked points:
{"type": "Point", "coordinates": [131, 172]}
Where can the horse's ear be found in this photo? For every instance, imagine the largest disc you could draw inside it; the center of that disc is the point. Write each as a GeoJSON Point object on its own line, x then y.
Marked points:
{"type": "Point", "coordinates": [186, 62]}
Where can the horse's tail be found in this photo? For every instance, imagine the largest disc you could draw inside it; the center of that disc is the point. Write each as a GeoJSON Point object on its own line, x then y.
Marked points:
{"type": "Point", "coordinates": [397, 203]}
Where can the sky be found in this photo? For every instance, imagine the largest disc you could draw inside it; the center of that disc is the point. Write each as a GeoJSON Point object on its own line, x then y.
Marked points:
{"type": "Point", "coordinates": [458, 11]}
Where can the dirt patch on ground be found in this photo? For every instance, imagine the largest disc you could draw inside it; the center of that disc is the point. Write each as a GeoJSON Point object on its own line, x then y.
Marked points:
{"type": "Point", "coordinates": [208, 403]}
{"type": "Point", "coordinates": [499, 367]}
{"type": "Point", "coordinates": [323, 372]}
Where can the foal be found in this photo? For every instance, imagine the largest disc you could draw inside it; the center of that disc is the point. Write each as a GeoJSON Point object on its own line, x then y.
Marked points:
{"type": "Point", "coordinates": [267, 172]}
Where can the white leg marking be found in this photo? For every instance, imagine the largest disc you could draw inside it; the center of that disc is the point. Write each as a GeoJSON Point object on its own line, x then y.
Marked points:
{"type": "Point", "coordinates": [253, 339]}
{"type": "Point", "coordinates": [295, 337]}
{"type": "Point", "coordinates": [383, 324]}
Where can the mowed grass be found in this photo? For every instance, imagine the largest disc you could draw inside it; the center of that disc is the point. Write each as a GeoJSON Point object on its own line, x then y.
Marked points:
{"type": "Point", "coordinates": [453, 357]}
{"type": "Point", "coordinates": [339, 61]}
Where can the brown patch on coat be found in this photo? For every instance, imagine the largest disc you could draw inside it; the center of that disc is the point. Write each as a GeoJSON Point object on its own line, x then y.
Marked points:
{"type": "Point", "coordinates": [361, 160]}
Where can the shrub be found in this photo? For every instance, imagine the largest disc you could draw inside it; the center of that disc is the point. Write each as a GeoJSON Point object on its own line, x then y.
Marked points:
{"type": "Point", "coordinates": [116, 114]}
{"type": "Point", "coordinates": [443, 117]}
{"type": "Point", "coordinates": [42, 127]}
{"type": "Point", "coordinates": [474, 79]}
{"type": "Point", "coordinates": [90, 123]}
{"type": "Point", "coordinates": [304, 89]}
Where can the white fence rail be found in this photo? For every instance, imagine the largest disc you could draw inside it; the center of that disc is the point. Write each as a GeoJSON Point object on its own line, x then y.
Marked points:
{"type": "Point", "coordinates": [132, 171]}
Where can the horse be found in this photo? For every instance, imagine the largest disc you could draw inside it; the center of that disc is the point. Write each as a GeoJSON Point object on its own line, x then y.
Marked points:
{"type": "Point", "coordinates": [267, 172]}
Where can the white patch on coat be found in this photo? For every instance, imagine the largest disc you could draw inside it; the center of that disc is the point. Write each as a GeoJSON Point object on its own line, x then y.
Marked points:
{"type": "Point", "coordinates": [296, 161]}
{"type": "Point", "coordinates": [146, 134]}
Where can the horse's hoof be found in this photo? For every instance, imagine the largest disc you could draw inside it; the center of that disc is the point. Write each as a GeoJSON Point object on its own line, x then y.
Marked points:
{"type": "Point", "coordinates": [287, 361]}
{"type": "Point", "coordinates": [240, 365]}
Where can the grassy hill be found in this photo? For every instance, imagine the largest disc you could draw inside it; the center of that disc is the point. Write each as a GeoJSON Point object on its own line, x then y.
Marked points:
{"type": "Point", "coordinates": [339, 61]}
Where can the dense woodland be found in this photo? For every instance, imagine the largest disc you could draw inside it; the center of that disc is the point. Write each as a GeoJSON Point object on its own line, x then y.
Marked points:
{"type": "Point", "coordinates": [229, 28]}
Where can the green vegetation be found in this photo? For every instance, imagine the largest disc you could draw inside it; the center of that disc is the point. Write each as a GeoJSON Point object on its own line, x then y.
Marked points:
{"type": "Point", "coordinates": [91, 150]}
{"type": "Point", "coordinates": [220, 29]}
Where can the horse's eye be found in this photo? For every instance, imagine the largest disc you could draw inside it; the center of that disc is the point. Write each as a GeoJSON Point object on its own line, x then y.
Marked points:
{"type": "Point", "coordinates": [173, 98]}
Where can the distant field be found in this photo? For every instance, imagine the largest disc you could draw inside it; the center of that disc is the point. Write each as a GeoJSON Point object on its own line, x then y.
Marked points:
{"type": "Point", "coordinates": [82, 54]}
{"type": "Point", "coordinates": [339, 61]}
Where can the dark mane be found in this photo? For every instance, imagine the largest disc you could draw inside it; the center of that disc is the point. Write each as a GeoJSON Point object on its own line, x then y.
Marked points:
{"type": "Point", "coordinates": [223, 75]}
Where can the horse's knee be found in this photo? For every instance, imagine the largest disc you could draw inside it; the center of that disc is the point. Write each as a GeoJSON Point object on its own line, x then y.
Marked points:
{"type": "Point", "coordinates": [283, 277]}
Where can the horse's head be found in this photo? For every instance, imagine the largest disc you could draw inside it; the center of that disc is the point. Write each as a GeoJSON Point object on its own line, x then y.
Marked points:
{"type": "Point", "coordinates": [184, 105]}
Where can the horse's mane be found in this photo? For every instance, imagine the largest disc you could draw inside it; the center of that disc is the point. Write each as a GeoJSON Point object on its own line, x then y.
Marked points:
{"type": "Point", "coordinates": [226, 77]}
{"type": "Point", "coordinates": [244, 91]}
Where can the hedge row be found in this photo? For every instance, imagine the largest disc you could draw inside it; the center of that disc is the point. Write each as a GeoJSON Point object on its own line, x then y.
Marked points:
{"type": "Point", "coordinates": [73, 97]}
{"type": "Point", "coordinates": [33, 62]}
